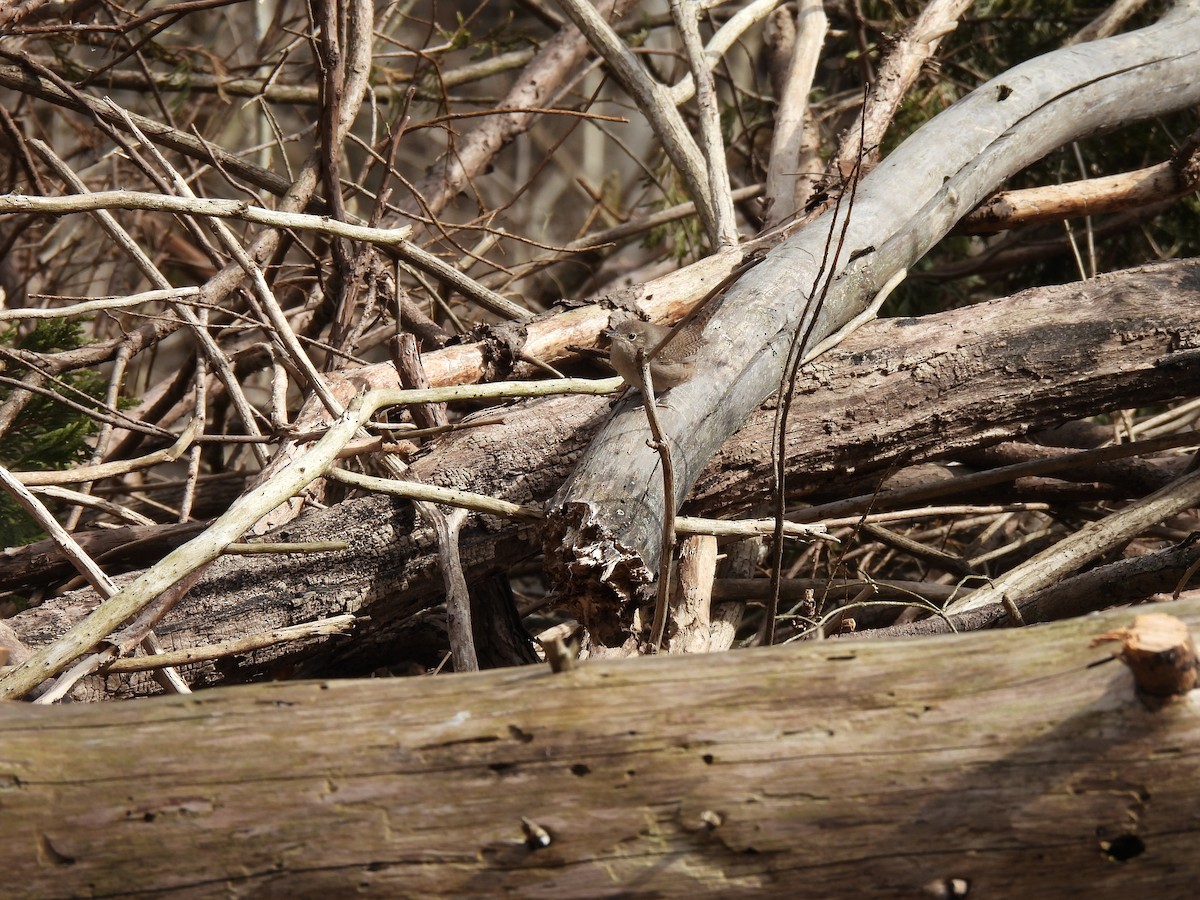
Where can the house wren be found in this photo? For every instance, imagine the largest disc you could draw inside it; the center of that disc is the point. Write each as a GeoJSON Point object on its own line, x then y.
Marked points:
{"type": "Point", "coordinates": [672, 365]}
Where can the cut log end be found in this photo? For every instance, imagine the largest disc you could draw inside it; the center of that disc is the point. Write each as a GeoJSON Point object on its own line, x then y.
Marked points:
{"type": "Point", "coordinates": [1161, 654]}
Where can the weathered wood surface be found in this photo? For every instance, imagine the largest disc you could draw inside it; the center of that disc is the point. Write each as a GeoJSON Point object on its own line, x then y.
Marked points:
{"type": "Point", "coordinates": [607, 518]}
{"type": "Point", "coordinates": [946, 381]}
{"type": "Point", "coordinates": [1006, 760]}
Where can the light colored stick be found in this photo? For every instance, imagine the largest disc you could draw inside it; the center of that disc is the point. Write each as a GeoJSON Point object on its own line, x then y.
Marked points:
{"type": "Point", "coordinates": [99, 472]}
{"type": "Point", "coordinates": [84, 307]}
{"type": "Point", "coordinates": [724, 38]}
{"type": "Point", "coordinates": [730, 528]}
{"type": "Point", "coordinates": [245, 511]}
{"type": "Point", "coordinates": [283, 331]}
{"type": "Point", "coordinates": [787, 141]}
{"type": "Point", "coordinates": [654, 101]}
{"type": "Point", "coordinates": [897, 74]}
{"type": "Point", "coordinates": [858, 321]}
{"type": "Point", "coordinates": [84, 564]}
{"type": "Point", "coordinates": [712, 144]}
{"type": "Point", "coordinates": [146, 266]}
{"type": "Point", "coordinates": [189, 655]}
{"type": "Point", "coordinates": [1090, 542]}
{"type": "Point", "coordinates": [200, 206]}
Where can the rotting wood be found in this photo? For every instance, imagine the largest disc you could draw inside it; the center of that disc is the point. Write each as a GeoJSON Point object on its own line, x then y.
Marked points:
{"type": "Point", "coordinates": [944, 382]}
{"type": "Point", "coordinates": [603, 534]}
{"type": "Point", "coordinates": [1008, 762]}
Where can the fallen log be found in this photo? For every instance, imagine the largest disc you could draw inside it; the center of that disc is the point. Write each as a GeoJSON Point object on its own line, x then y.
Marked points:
{"type": "Point", "coordinates": [992, 764]}
{"type": "Point", "coordinates": [897, 391]}
{"type": "Point", "coordinates": [603, 533]}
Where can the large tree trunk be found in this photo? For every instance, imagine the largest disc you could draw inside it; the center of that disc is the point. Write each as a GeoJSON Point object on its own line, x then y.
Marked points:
{"type": "Point", "coordinates": [999, 764]}
{"type": "Point", "coordinates": [941, 383]}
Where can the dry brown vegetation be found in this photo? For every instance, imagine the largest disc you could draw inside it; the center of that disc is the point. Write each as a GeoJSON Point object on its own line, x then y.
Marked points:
{"type": "Point", "coordinates": [503, 190]}
{"type": "Point", "coordinates": [301, 376]}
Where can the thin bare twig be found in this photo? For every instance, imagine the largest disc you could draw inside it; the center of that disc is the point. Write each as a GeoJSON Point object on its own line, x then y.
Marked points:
{"type": "Point", "coordinates": [656, 104]}
{"type": "Point", "coordinates": [712, 144]}
{"type": "Point", "coordinates": [147, 267]}
{"type": "Point", "coordinates": [189, 559]}
{"type": "Point", "coordinates": [224, 649]}
{"type": "Point", "coordinates": [787, 141]}
{"type": "Point", "coordinates": [198, 206]}
{"type": "Point", "coordinates": [96, 577]}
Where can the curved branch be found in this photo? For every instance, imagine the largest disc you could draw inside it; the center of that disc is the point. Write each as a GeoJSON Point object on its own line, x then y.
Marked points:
{"type": "Point", "coordinates": [908, 203]}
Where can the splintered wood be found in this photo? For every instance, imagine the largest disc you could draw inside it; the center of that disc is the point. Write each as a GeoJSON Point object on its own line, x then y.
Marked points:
{"type": "Point", "coordinates": [1160, 653]}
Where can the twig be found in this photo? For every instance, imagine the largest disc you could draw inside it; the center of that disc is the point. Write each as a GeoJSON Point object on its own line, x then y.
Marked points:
{"type": "Point", "coordinates": [39, 83]}
{"type": "Point", "coordinates": [87, 501]}
{"type": "Point", "coordinates": [692, 609]}
{"type": "Point", "coordinates": [113, 469]}
{"type": "Point", "coordinates": [787, 141]}
{"type": "Point", "coordinates": [406, 357]}
{"type": "Point", "coordinates": [897, 74]}
{"type": "Point", "coordinates": [656, 104]}
{"type": "Point", "coordinates": [867, 315]}
{"type": "Point", "coordinates": [807, 322]}
{"type": "Point", "coordinates": [1112, 193]}
{"type": "Point", "coordinates": [1107, 23]}
{"type": "Point", "coordinates": [712, 144]}
{"type": "Point", "coordinates": [1087, 544]}
{"type": "Point", "coordinates": [465, 285]}
{"type": "Point", "coordinates": [223, 649]}
{"type": "Point", "coordinates": [299, 94]}
{"type": "Point", "coordinates": [121, 237]}
{"type": "Point", "coordinates": [198, 206]}
{"type": "Point", "coordinates": [186, 560]}
{"type": "Point", "coordinates": [659, 445]}
{"type": "Point", "coordinates": [200, 417]}
{"type": "Point", "coordinates": [978, 480]}
{"type": "Point", "coordinates": [458, 597]}
{"type": "Point", "coordinates": [928, 512]}
{"type": "Point", "coordinates": [96, 577]}
{"type": "Point", "coordinates": [724, 38]}
{"type": "Point", "coordinates": [84, 307]}
{"type": "Point", "coordinates": [413, 490]}
{"type": "Point", "coordinates": [282, 328]}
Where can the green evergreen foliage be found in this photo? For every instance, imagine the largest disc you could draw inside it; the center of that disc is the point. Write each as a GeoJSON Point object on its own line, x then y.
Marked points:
{"type": "Point", "coordinates": [46, 435]}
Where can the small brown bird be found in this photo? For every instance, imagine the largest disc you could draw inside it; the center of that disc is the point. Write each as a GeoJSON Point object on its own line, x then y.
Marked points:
{"type": "Point", "coordinates": [671, 366]}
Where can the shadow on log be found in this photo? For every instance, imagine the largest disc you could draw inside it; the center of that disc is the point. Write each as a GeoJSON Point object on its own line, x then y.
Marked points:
{"type": "Point", "coordinates": [998, 764]}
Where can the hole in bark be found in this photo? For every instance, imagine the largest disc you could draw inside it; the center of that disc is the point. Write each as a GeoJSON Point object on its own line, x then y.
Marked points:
{"type": "Point", "coordinates": [708, 759]}
{"type": "Point", "coordinates": [501, 768]}
{"type": "Point", "coordinates": [1124, 848]}
{"type": "Point", "coordinates": [1003, 93]}
{"type": "Point", "coordinates": [523, 736]}
{"type": "Point", "coordinates": [580, 769]}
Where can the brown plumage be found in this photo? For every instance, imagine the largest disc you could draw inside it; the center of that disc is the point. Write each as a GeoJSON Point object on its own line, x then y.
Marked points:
{"type": "Point", "coordinates": [671, 366]}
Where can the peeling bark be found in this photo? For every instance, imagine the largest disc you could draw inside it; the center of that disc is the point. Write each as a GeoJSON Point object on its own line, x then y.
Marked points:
{"type": "Point", "coordinates": [898, 391]}
{"type": "Point", "coordinates": [901, 209]}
